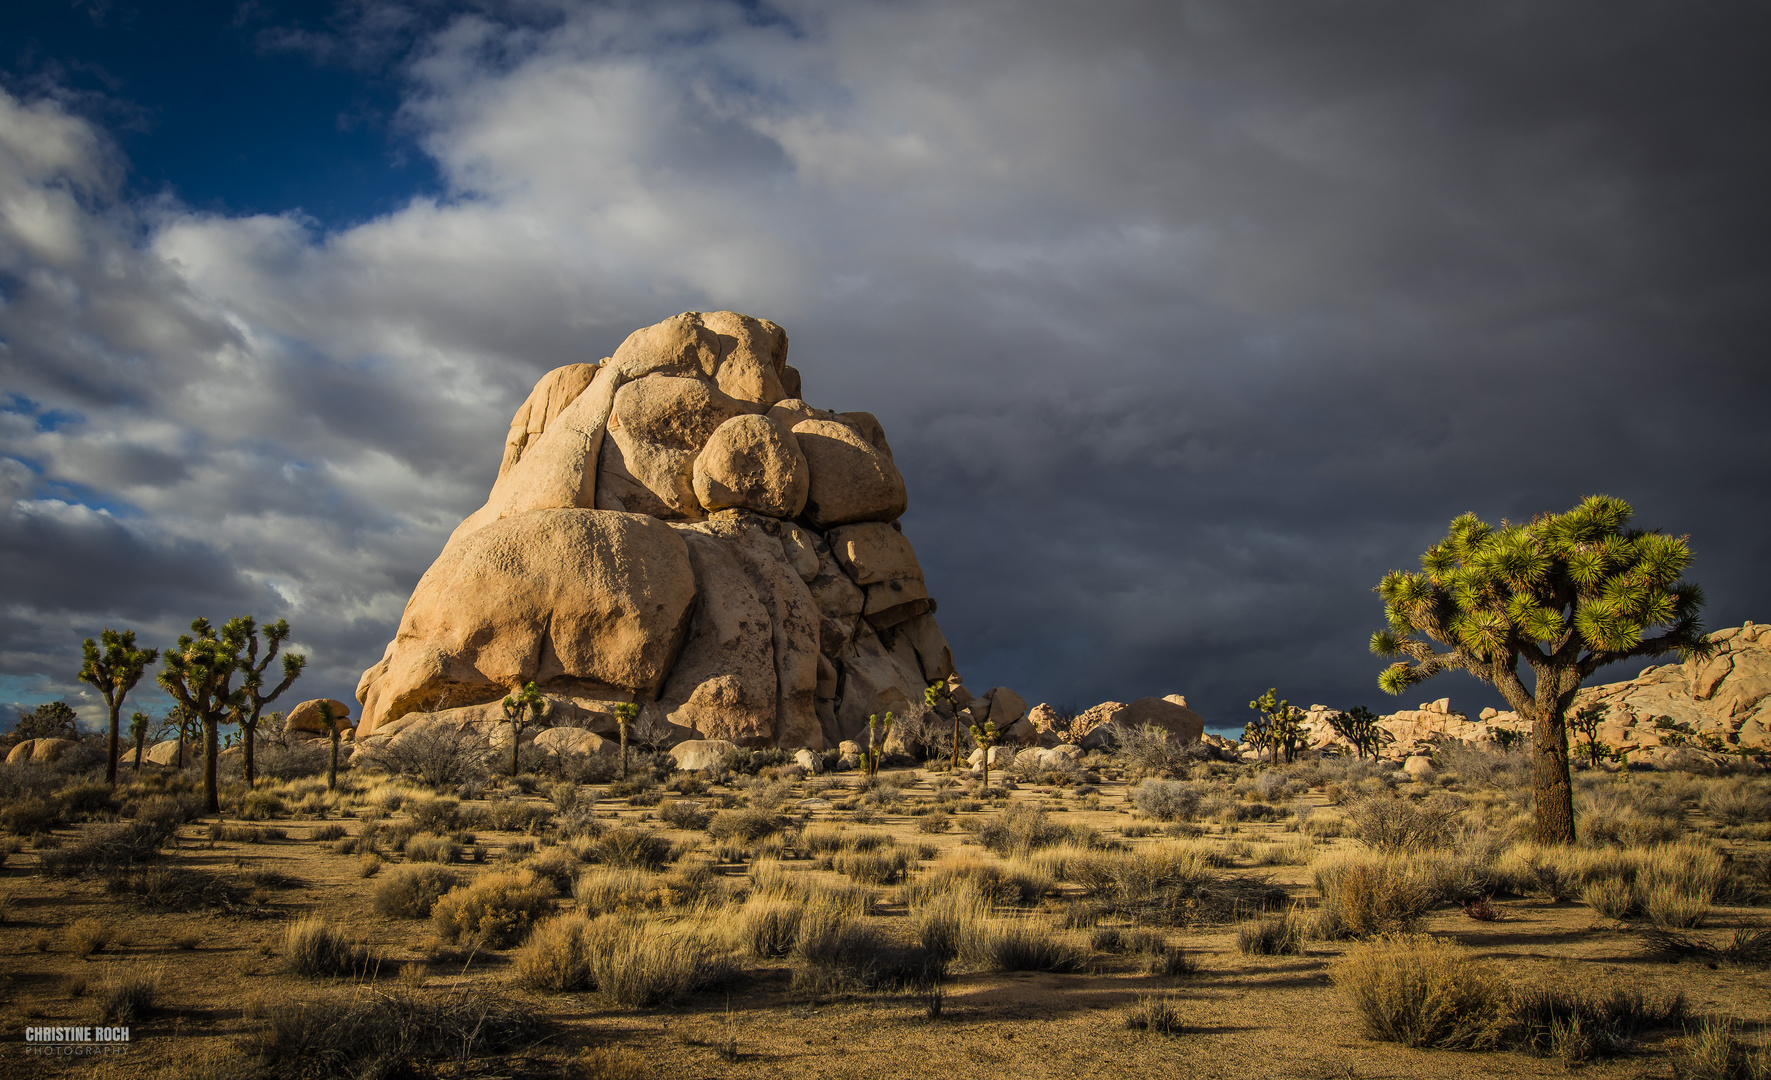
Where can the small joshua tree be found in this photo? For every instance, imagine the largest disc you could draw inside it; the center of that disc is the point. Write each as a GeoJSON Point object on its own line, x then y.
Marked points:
{"type": "Point", "coordinates": [625, 711]}
{"type": "Point", "coordinates": [1585, 723]}
{"type": "Point", "coordinates": [1566, 594]}
{"type": "Point", "coordinates": [252, 682]}
{"type": "Point", "coordinates": [1278, 726]}
{"type": "Point", "coordinates": [333, 725]}
{"type": "Point", "coordinates": [876, 737]}
{"type": "Point", "coordinates": [985, 737]}
{"type": "Point", "coordinates": [932, 695]}
{"type": "Point", "coordinates": [139, 724]}
{"type": "Point", "coordinates": [115, 671]}
{"type": "Point", "coordinates": [526, 707]}
{"type": "Point", "coordinates": [1358, 726]}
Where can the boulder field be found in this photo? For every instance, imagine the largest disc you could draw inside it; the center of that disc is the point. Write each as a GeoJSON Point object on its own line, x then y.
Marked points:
{"type": "Point", "coordinates": [675, 526]}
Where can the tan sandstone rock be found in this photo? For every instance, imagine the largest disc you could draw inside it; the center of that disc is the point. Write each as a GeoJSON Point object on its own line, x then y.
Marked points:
{"type": "Point", "coordinates": [700, 753]}
{"type": "Point", "coordinates": [306, 716]}
{"type": "Point", "coordinates": [851, 479]}
{"type": "Point", "coordinates": [752, 463]}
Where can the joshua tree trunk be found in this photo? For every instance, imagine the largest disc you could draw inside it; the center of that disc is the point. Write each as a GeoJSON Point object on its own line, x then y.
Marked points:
{"type": "Point", "coordinates": [1553, 792]}
{"type": "Point", "coordinates": [624, 748]}
{"type": "Point", "coordinates": [249, 725]}
{"type": "Point", "coordinates": [332, 769]}
{"type": "Point", "coordinates": [956, 740]}
{"type": "Point", "coordinates": [140, 738]}
{"type": "Point", "coordinates": [113, 747]}
{"type": "Point", "coordinates": [211, 751]}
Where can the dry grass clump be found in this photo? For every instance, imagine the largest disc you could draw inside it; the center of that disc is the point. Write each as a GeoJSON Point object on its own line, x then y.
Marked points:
{"type": "Point", "coordinates": [1748, 947]}
{"type": "Point", "coordinates": [381, 1033]}
{"type": "Point", "coordinates": [1001, 881]}
{"type": "Point", "coordinates": [641, 964]}
{"type": "Point", "coordinates": [557, 866]}
{"type": "Point", "coordinates": [1716, 1051]}
{"type": "Point", "coordinates": [312, 948]}
{"type": "Point", "coordinates": [1158, 1014]}
{"type": "Point", "coordinates": [685, 814]}
{"type": "Point", "coordinates": [325, 834]}
{"type": "Point", "coordinates": [1368, 895]}
{"type": "Point", "coordinates": [1738, 801]}
{"type": "Point", "coordinates": [435, 815]}
{"type": "Point", "coordinates": [1423, 992]}
{"type": "Point", "coordinates": [556, 958]}
{"type": "Point", "coordinates": [874, 867]}
{"type": "Point", "coordinates": [745, 824]}
{"type": "Point", "coordinates": [176, 888]}
{"type": "Point", "coordinates": [86, 937]}
{"type": "Point", "coordinates": [106, 849]}
{"type": "Point", "coordinates": [432, 849]}
{"type": "Point", "coordinates": [128, 997]}
{"type": "Point", "coordinates": [1276, 935]}
{"type": "Point", "coordinates": [1022, 828]}
{"type": "Point", "coordinates": [1172, 883]}
{"type": "Point", "coordinates": [1019, 945]}
{"type": "Point", "coordinates": [1577, 1027]}
{"type": "Point", "coordinates": [634, 848]}
{"type": "Point", "coordinates": [1390, 824]}
{"type": "Point", "coordinates": [496, 910]}
{"type": "Point", "coordinates": [409, 892]}
{"type": "Point", "coordinates": [768, 927]}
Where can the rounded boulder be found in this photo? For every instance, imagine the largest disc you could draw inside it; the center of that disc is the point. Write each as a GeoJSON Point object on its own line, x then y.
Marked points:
{"type": "Point", "coordinates": [755, 463]}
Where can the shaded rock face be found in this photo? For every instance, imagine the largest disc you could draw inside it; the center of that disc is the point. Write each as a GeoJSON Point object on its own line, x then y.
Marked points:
{"type": "Point", "coordinates": [670, 527]}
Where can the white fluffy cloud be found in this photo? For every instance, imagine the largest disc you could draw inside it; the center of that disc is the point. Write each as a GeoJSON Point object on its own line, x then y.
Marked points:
{"type": "Point", "coordinates": [1186, 320]}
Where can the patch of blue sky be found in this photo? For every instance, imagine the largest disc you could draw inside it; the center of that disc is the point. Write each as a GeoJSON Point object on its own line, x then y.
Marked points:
{"type": "Point", "coordinates": [45, 419]}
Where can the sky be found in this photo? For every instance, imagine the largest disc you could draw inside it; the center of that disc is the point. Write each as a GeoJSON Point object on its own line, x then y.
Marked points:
{"type": "Point", "coordinates": [1186, 321]}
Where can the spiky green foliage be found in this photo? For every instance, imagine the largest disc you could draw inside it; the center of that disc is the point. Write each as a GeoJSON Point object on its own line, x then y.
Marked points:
{"type": "Point", "coordinates": [199, 672]}
{"type": "Point", "coordinates": [1278, 725]}
{"type": "Point", "coordinates": [526, 707]}
{"type": "Point", "coordinates": [114, 672]}
{"type": "Point", "coordinates": [877, 729]}
{"type": "Point", "coordinates": [1565, 594]}
{"type": "Point", "coordinates": [625, 711]}
{"type": "Point", "coordinates": [252, 669]}
{"type": "Point", "coordinates": [985, 737]}
{"type": "Point", "coordinates": [1358, 726]}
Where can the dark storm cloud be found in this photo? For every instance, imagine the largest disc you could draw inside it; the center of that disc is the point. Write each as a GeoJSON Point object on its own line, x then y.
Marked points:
{"type": "Point", "coordinates": [1186, 321]}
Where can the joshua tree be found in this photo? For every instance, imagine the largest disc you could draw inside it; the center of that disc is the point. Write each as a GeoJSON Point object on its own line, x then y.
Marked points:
{"type": "Point", "coordinates": [115, 671]}
{"type": "Point", "coordinates": [1279, 725]}
{"type": "Point", "coordinates": [625, 711]}
{"type": "Point", "coordinates": [332, 724]}
{"type": "Point", "coordinates": [1566, 594]}
{"type": "Point", "coordinates": [1358, 726]}
{"type": "Point", "coordinates": [526, 707]}
{"type": "Point", "coordinates": [1585, 723]}
{"type": "Point", "coordinates": [252, 670]}
{"type": "Point", "coordinates": [932, 695]}
{"type": "Point", "coordinates": [198, 672]}
{"type": "Point", "coordinates": [876, 737]}
{"type": "Point", "coordinates": [985, 737]}
{"type": "Point", "coordinates": [178, 723]}
{"type": "Point", "coordinates": [139, 724]}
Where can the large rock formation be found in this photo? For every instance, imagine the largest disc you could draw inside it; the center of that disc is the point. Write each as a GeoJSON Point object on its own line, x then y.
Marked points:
{"type": "Point", "coordinates": [675, 526]}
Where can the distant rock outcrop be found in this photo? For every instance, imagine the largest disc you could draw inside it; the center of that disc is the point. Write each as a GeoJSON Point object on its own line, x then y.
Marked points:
{"type": "Point", "coordinates": [674, 526]}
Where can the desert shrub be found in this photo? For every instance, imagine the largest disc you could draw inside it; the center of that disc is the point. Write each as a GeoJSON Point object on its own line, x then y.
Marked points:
{"type": "Point", "coordinates": [23, 780]}
{"type": "Point", "coordinates": [409, 892]}
{"type": "Point", "coordinates": [833, 952]}
{"type": "Point", "coordinates": [437, 756]}
{"type": "Point", "coordinates": [822, 839]}
{"type": "Point", "coordinates": [1748, 947]}
{"type": "Point", "coordinates": [1423, 992]}
{"type": "Point", "coordinates": [106, 849]}
{"type": "Point", "coordinates": [259, 806]}
{"type": "Point", "coordinates": [933, 823]}
{"type": "Point", "coordinates": [173, 888]}
{"type": "Point", "coordinates": [768, 927]}
{"type": "Point", "coordinates": [435, 815]}
{"type": "Point", "coordinates": [312, 948]}
{"type": "Point", "coordinates": [684, 814]}
{"type": "Point", "coordinates": [1020, 945]}
{"type": "Point", "coordinates": [165, 813]}
{"type": "Point", "coordinates": [602, 890]}
{"type": "Point", "coordinates": [245, 834]}
{"type": "Point", "coordinates": [496, 910]}
{"type": "Point", "coordinates": [87, 936]}
{"type": "Point", "coordinates": [557, 866]}
{"type": "Point", "coordinates": [509, 815]}
{"type": "Point", "coordinates": [1000, 881]}
{"type": "Point", "coordinates": [874, 867]}
{"type": "Point", "coordinates": [374, 1033]}
{"type": "Point", "coordinates": [127, 998]}
{"type": "Point", "coordinates": [1272, 936]}
{"type": "Point", "coordinates": [636, 848]}
{"type": "Point", "coordinates": [1738, 801]}
{"type": "Point", "coordinates": [556, 958]}
{"type": "Point", "coordinates": [1172, 883]}
{"type": "Point", "coordinates": [1158, 1014]}
{"type": "Point", "coordinates": [298, 760]}
{"type": "Point", "coordinates": [86, 800]}
{"type": "Point", "coordinates": [1577, 1026]}
{"type": "Point", "coordinates": [642, 964]}
{"type": "Point", "coordinates": [1612, 897]}
{"type": "Point", "coordinates": [1166, 800]}
{"type": "Point", "coordinates": [29, 816]}
{"type": "Point", "coordinates": [432, 849]}
{"type": "Point", "coordinates": [1626, 819]}
{"type": "Point", "coordinates": [1389, 824]}
{"type": "Point", "coordinates": [746, 824]}
{"type": "Point", "coordinates": [580, 822]}
{"type": "Point", "coordinates": [327, 833]}
{"type": "Point", "coordinates": [1373, 895]}
{"type": "Point", "coordinates": [1021, 829]}
{"type": "Point", "coordinates": [1716, 1050]}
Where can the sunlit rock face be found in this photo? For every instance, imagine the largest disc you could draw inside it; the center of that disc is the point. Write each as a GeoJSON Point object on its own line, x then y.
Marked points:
{"type": "Point", "coordinates": [676, 526]}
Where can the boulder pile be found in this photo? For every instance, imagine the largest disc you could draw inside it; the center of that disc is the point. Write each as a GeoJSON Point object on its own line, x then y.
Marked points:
{"type": "Point", "coordinates": [675, 526]}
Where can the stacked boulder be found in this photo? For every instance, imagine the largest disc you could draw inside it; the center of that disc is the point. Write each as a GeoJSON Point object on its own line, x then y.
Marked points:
{"type": "Point", "coordinates": [675, 526]}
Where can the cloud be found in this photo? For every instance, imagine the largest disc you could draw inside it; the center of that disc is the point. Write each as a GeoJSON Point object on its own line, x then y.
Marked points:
{"type": "Point", "coordinates": [1185, 321]}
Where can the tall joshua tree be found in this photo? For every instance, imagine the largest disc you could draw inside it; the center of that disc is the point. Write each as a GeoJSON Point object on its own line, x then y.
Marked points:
{"type": "Point", "coordinates": [526, 707]}
{"type": "Point", "coordinates": [1565, 594]}
{"type": "Point", "coordinates": [625, 711]}
{"type": "Point", "coordinates": [252, 670]}
{"type": "Point", "coordinates": [114, 671]}
{"type": "Point", "coordinates": [333, 725]}
{"type": "Point", "coordinates": [198, 672]}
